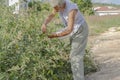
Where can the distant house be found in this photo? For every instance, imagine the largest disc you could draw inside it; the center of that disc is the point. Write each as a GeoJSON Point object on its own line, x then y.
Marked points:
{"type": "Point", "coordinates": [18, 5]}
{"type": "Point", "coordinates": [15, 5]}
{"type": "Point", "coordinates": [106, 10]}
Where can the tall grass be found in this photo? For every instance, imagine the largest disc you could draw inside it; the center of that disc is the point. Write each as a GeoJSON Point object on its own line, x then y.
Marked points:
{"type": "Point", "coordinates": [99, 24]}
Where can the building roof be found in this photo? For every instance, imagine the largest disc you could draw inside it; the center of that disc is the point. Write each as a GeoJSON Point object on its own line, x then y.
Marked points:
{"type": "Point", "coordinates": [106, 8]}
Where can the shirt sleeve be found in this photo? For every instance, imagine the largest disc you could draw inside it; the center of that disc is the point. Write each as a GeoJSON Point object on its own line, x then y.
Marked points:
{"type": "Point", "coordinates": [72, 6]}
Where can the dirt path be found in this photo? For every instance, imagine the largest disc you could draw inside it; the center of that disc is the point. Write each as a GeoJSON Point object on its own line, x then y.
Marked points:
{"type": "Point", "coordinates": [106, 52]}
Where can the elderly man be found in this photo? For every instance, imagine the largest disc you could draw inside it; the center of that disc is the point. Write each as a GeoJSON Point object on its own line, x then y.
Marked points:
{"type": "Point", "coordinates": [76, 27]}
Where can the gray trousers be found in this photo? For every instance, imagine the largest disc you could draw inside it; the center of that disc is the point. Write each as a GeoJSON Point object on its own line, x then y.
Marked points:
{"type": "Point", "coordinates": [78, 44]}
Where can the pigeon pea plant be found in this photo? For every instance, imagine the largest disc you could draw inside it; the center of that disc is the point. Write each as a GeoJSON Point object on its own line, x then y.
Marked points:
{"type": "Point", "coordinates": [27, 54]}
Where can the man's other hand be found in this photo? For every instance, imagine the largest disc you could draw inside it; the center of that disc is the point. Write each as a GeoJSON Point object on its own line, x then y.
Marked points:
{"type": "Point", "coordinates": [44, 28]}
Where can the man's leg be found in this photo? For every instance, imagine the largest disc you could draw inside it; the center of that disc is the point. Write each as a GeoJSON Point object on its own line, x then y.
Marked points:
{"type": "Point", "coordinates": [77, 64]}
{"type": "Point", "coordinates": [78, 45]}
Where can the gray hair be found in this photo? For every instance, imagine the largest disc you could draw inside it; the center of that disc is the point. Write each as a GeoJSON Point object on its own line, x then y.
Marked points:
{"type": "Point", "coordinates": [54, 3]}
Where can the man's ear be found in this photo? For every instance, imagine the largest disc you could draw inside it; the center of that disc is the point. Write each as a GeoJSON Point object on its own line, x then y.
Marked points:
{"type": "Point", "coordinates": [55, 11]}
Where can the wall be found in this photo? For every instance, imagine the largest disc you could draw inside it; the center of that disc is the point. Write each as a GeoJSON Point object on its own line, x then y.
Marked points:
{"type": "Point", "coordinates": [102, 13]}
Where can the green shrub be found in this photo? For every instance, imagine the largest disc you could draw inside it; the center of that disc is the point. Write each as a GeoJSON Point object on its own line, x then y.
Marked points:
{"type": "Point", "coordinates": [27, 54]}
{"type": "Point", "coordinates": [85, 6]}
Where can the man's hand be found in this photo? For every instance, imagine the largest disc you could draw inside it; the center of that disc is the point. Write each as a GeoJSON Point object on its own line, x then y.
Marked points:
{"type": "Point", "coordinates": [44, 28]}
{"type": "Point", "coordinates": [54, 35]}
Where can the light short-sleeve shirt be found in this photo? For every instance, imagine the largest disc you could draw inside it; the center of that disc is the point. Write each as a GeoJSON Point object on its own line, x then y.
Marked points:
{"type": "Point", "coordinates": [79, 19]}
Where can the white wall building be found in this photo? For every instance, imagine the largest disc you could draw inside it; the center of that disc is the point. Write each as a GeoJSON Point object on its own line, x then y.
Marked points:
{"type": "Point", "coordinates": [12, 2]}
{"type": "Point", "coordinates": [18, 5]}
{"type": "Point", "coordinates": [106, 10]}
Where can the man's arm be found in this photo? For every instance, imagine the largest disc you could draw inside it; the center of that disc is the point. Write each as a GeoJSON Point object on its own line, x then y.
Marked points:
{"type": "Point", "coordinates": [48, 19]}
{"type": "Point", "coordinates": [69, 29]}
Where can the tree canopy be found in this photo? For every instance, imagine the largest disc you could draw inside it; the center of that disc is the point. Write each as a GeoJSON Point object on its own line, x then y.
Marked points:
{"type": "Point", "coordinates": [85, 6]}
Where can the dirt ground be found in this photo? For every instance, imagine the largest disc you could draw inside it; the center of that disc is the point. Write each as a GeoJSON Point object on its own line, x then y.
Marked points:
{"type": "Point", "coordinates": [106, 53]}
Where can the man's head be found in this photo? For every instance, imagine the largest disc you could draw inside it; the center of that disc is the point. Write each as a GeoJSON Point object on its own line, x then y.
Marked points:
{"type": "Point", "coordinates": [58, 5]}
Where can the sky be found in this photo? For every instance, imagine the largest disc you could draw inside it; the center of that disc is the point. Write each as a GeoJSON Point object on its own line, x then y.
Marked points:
{"type": "Point", "coordinates": [107, 1]}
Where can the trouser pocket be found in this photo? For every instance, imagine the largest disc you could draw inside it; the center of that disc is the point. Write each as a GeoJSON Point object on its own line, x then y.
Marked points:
{"type": "Point", "coordinates": [79, 31]}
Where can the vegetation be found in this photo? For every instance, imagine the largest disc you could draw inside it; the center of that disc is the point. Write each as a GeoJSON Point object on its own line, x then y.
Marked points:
{"type": "Point", "coordinates": [39, 6]}
{"type": "Point", "coordinates": [27, 54]}
{"type": "Point", "coordinates": [85, 6]}
{"type": "Point", "coordinates": [100, 24]}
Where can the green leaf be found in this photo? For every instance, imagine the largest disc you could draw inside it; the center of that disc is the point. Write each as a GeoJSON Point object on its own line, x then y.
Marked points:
{"type": "Point", "coordinates": [2, 75]}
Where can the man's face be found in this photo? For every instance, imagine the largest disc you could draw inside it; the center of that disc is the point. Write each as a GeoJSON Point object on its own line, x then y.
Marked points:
{"type": "Point", "coordinates": [59, 8]}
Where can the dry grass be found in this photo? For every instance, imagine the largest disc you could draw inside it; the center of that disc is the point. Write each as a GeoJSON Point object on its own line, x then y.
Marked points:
{"type": "Point", "coordinates": [99, 24]}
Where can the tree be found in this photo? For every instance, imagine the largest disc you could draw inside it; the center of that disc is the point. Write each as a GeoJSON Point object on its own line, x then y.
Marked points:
{"type": "Point", "coordinates": [85, 6]}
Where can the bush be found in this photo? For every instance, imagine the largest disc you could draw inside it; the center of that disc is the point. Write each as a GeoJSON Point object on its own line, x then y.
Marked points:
{"type": "Point", "coordinates": [27, 54]}
{"type": "Point", "coordinates": [85, 6]}
{"type": "Point", "coordinates": [39, 6]}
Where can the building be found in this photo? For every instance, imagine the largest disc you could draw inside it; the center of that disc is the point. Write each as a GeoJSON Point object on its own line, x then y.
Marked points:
{"type": "Point", "coordinates": [20, 5]}
{"type": "Point", "coordinates": [17, 5]}
{"type": "Point", "coordinates": [106, 10]}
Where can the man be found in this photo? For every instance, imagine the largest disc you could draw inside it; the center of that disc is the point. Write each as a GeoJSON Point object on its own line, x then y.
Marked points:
{"type": "Point", "coordinates": [76, 27]}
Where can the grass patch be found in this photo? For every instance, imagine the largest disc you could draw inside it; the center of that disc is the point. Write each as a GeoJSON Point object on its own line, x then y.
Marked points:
{"type": "Point", "coordinates": [99, 24]}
